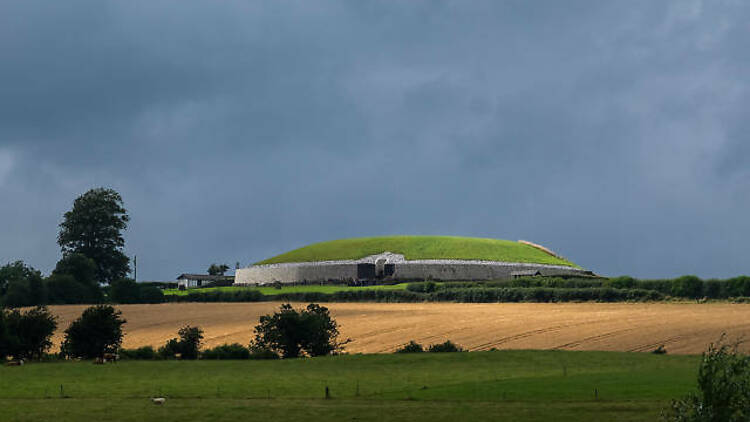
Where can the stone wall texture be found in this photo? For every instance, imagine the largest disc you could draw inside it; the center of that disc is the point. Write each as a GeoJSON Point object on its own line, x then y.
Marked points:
{"type": "Point", "coordinates": [437, 269]}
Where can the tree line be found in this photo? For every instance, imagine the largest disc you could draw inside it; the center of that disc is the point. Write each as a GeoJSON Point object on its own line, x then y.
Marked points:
{"type": "Point", "coordinates": [98, 333]}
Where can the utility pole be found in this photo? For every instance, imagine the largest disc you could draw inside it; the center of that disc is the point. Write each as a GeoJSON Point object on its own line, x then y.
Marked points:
{"type": "Point", "coordinates": [135, 268]}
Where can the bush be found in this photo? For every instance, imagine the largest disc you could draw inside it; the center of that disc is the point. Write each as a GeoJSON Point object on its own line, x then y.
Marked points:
{"type": "Point", "coordinates": [141, 353]}
{"type": "Point", "coordinates": [96, 332]}
{"type": "Point", "coordinates": [687, 286]}
{"type": "Point", "coordinates": [27, 335]}
{"type": "Point", "coordinates": [170, 350]}
{"type": "Point", "coordinates": [124, 290]}
{"type": "Point", "coordinates": [151, 294]}
{"type": "Point", "coordinates": [227, 351]}
{"type": "Point", "coordinates": [291, 333]}
{"type": "Point", "coordinates": [737, 286]}
{"type": "Point", "coordinates": [446, 347]}
{"type": "Point", "coordinates": [723, 388]}
{"type": "Point", "coordinates": [21, 285]}
{"type": "Point", "coordinates": [262, 353]}
{"type": "Point", "coordinates": [244, 295]}
{"type": "Point", "coordinates": [7, 342]}
{"type": "Point", "coordinates": [411, 347]}
{"type": "Point", "coordinates": [83, 270]}
{"type": "Point", "coordinates": [186, 347]}
{"type": "Point", "coordinates": [64, 289]}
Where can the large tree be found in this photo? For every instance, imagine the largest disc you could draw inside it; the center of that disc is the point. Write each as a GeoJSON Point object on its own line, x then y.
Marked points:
{"type": "Point", "coordinates": [291, 333]}
{"type": "Point", "coordinates": [218, 269]}
{"type": "Point", "coordinates": [94, 228]}
{"type": "Point", "coordinates": [96, 332]}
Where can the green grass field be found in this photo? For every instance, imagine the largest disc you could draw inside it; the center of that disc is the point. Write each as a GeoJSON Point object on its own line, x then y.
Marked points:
{"type": "Point", "coordinates": [503, 385]}
{"type": "Point", "coordinates": [420, 247]}
{"type": "Point", "coordinates": [271, 291]}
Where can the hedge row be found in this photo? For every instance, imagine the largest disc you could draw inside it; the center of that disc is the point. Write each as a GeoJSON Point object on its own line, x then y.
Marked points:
{"type": "Point", "coordinates": [690, 287]}
{"type": "Point", "coordinates": [239, 295]}
{"type": "Point", "coordinates": [233, 351]}
{"type": "Point", "coordinates": [480, 295]}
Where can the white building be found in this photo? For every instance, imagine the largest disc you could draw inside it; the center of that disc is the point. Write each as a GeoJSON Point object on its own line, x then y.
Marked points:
{"type": "Point", "coordinates": [191, 281]}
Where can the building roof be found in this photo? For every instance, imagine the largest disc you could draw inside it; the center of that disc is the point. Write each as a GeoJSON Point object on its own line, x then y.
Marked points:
{"type": "Point", "coordinates": [205, 277]}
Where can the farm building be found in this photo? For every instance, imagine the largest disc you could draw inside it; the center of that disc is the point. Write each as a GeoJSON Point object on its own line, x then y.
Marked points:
{"type": "Point", "coordinates": [190, 281]}
{"type": "Point", "coordinates": [382, 259]}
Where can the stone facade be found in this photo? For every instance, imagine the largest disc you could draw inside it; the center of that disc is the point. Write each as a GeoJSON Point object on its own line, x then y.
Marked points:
{"type": "Point", "coordinates": [389, 266]}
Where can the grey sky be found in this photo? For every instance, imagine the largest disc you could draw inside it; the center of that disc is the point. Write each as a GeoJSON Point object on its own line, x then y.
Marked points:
{"type": "Point", "coordinates": [613, 132]}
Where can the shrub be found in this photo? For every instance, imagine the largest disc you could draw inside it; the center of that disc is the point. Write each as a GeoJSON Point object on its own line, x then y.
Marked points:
{"type": "Point", "coordinates": [687, 286]}
{"type": "Point", "coordinates": [21, 285]}
{"type": "Point", "coordinates": [244, 295]}
{"type": "Point", "coordinates": [227, 351]}
{"type": "Point", "coordinates": [723, 388]}
{"type": "Point", "coordinates": [623, 282]}
{"type": "Point", "coordinates": [187, 346]}
{"type": "Point", "coordinates": [411, 347]}
{"type": "Point", "coordinates": [7, 341]}
{"type": "Point", "coordinates": [424, 287]}
{"type": "Point", "coordinates": [170, 350]}
{"type": "Point", "coordinates": [262, 353]}
{"type": "Point", "coordinates": [141, 353]}
{"type": "Point", "coordinates": [737, 286]}
{"type": "Point", "coordinates": [83, 270]}
{"type": "Point", "coordinates": [291, 333]}
{"type": "Point", "coordinates": [448, 346]}
{"type": "Point", "coordinates": [124, 290]}
{"type": "Point", "coordinates": [27, 335]}
{"type": "Point", "coordinates": [151, 294]}
{"type": "Point", "coordinates": [64, 289]}
{"type": "Point", "coordinates": [661, 350]}
{"type": "Point", "coordinates": [96, 332]}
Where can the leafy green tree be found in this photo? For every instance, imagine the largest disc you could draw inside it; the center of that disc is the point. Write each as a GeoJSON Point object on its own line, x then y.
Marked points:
{"type": "Point", "coordinates": [190, 341]}
{"type": "Point", "coordinates": [723, 388]}
{"type": "Point", "coordinates": [124, 290]}
{"type": "Point", "coordinates": [218, 269]}
{"type": "Point", "coordinates": [21, 285]}
{"type": "Point", "coordinates": [151, 294]}
{"type": "Point", "coordinates": [94, 228]}
{"type": "Point", "coordinates": [84, 271]}
{"type": "Point", "coordinates": [30, 331]}
{"type": "Point", "coordinates": [18, 294]}
{"type": "Point", "coordinates": [64, 289]}
{"type": "Point", "coordinates": [96, 332]}
{"type": "Point", "coordinates": [687, 286]}
{"type": "Point", "coordinates": [291, 333]}
{"type": "Point", "coordinates": [8, 341]}
{"type": "Point", "coordinates": [187, 345]}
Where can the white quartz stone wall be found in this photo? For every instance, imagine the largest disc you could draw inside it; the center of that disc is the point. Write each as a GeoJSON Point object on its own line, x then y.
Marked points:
{"type": "Point", "coordinates": [432, 269]}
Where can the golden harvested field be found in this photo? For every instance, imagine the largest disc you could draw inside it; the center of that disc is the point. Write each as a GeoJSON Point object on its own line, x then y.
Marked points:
{"type": "Point", "coordinates": [382, 327]}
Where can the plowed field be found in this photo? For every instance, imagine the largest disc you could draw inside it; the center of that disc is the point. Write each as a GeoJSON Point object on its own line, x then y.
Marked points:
{"type": "Point", "coordinates": [381, 327]}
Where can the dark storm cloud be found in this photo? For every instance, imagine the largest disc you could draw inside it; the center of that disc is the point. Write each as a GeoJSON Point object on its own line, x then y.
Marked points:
{"type": "Point", "coordinates": [614, 133]}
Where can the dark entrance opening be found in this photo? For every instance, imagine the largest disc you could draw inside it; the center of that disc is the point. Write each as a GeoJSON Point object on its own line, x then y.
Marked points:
{"type": "Point", "coordinates": [365, 271]}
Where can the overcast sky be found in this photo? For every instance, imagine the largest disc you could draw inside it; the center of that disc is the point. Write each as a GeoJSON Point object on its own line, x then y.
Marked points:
{"type": "Point", "coordinates": [615, 133]}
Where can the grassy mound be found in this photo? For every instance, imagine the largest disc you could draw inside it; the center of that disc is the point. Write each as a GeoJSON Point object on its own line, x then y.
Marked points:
{"type": "Point", "coordinates": [420, 247]}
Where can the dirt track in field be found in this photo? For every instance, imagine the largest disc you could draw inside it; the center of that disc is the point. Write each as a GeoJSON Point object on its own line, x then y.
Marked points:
{"type": "Point", "coordinates": [381, 327]}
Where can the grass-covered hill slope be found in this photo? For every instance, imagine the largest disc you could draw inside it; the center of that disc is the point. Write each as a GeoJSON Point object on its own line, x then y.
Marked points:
{"type": "Point", "coordinates": [420, 247]}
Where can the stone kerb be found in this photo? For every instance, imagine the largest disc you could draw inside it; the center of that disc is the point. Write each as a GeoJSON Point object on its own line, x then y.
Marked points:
{"type": "Point", "coordinates": [438, 269]}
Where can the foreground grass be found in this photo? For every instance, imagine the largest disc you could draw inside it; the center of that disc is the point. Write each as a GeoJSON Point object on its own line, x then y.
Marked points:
{"type": "Point", "coordinates": [271, 291]}
{"type": "Point", "coordinates": [420, 247]}
{"type": "Point", "coordinates": [512, 385]}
